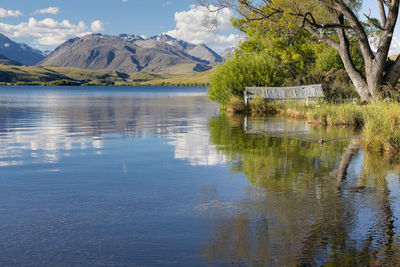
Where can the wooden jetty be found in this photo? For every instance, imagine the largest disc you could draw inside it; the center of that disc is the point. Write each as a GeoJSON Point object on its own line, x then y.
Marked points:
{"type": "Point", "coordinates": [305, 93]}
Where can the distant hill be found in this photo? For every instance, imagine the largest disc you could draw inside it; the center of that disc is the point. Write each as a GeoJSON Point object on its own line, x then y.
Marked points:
{"type": "Point", "coordinates": [47, 75]}
{"type": "Point", "coordinates": [394, 57]}
{"type": "Point", "coordinates": [132, 54]}
{"type": "Point", "coordinates": [6, 61]}
{"type": "Point", "coordinates": [227, 52]}
{"type": "Point", "coordinates": [39, 74]}
{"type": "Point", "coordinates": [22, 53]}
{"type": "Point", "coordinates": [200, 51]}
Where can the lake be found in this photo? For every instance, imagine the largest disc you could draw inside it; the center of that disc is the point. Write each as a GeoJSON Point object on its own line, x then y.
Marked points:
{"type": "Point", "coordinates": [156, 176]}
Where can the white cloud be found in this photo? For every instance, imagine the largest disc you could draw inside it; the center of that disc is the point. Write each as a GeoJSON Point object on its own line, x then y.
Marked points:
{"type": "Point", "coordinates": [124, 1]}
{"type": "Point", "coordinates": [9, 13]}
{"type": "Point", "coordinates": [97, 26]}
{"type": "Point", "coordinates": [394, 46]}
{"type": "Point", "coordinates": [49, 10]}
{"type": "Point", "coordinates": [47, 31]}
{"type": "Point", "coordinates": [194, 26]}
{"type": "Point", "coordinates": [195, 147]}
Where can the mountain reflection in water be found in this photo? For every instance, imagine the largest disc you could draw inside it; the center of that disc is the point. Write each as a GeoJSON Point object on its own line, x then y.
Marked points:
{"type": "Point", "coordinates": [51, 125]}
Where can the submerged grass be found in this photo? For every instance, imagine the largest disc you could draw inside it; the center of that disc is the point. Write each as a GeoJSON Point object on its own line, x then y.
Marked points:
{"type": "Point", "coordinates": [379, 121]}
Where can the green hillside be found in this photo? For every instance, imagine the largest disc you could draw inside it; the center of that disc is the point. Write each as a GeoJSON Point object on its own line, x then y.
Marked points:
{"type": "Point", "coordinates": [49, 75]}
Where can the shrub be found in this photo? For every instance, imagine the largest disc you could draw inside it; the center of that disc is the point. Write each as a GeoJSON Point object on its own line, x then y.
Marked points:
{"type": "Point", "coordinates": [235, 74]}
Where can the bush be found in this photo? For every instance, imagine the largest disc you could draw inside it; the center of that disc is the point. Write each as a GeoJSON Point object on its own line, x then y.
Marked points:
{"type": "Point", "coordinates": [233, 76]}
{"type": "Point", "coordinates": [335, 83]}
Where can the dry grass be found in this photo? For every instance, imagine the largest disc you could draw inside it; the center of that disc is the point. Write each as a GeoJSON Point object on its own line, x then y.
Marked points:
{"type": "Point", "coordinates": [235, 105]}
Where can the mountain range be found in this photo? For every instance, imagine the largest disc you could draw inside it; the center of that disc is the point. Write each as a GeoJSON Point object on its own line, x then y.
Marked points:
{"type": "Point", "coordinates": [132, 54]}
{"type": "Point", "coordinates": [123, 53]}
{"type": "Point", "coordinates": [21, 53]}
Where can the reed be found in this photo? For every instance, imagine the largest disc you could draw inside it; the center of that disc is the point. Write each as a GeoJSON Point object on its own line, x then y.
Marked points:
{"type": "Point", "coordinates": [235, 105]}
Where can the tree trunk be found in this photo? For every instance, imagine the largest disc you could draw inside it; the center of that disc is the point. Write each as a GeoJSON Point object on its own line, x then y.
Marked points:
{"type": "Point", "coordinates": [356, 77]}
{"type": "Point", "coordinates": [359, 83]}
{"type": "Point", "coordinates": [374, 80]}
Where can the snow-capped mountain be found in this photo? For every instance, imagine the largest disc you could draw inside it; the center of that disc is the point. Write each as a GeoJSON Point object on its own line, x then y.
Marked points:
{"type": "Point", "coordinates": [133, 53]}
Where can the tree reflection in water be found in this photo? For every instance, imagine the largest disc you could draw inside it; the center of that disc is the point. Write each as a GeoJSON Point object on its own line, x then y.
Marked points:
{"type": "Point", "coordinates": [308, 204]}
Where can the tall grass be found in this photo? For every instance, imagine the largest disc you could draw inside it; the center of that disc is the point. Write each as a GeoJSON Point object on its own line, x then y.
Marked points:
{"type": "Point", "coordinates": [258, 106]}
{"type": "Point", "coordinates": [381, 132]}
{"type": "Point", "coordinates": [235, 105]}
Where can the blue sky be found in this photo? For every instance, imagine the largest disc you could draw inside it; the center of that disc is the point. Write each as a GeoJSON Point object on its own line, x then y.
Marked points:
{"type": "Point", "coordinates": [41, 23]}
{"type": "Point", "coordinates": [118, 16]}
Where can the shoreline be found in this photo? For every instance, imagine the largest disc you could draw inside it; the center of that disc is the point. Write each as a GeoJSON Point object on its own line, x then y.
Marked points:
{"type": "Point", "coordinates": [105, 84]}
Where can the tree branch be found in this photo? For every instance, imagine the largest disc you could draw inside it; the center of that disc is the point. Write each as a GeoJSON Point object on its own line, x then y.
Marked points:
{"type": "Point", "coordinates": [324, 39]}
{"type": "Point", "coordinates": [356, 25]}
{"type": "Point", "coordinates": [373, 22]}
{"type": "Point", "coordinates": [387, 33]}
{"type": "Point", "coordinates": [314, 24]}
{"type": "Point", "coordinates": [382, 12]}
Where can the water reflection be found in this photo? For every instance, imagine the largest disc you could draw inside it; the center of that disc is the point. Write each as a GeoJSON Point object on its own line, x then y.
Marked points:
{"type": "Point", "coordinates": [41, 126]}
{"type": "Point", "coordinates": [160, 179]}
{"type": "Point", "coordinates": [194, 146]}
{"type": "Point", "coordinates": [310, 204]}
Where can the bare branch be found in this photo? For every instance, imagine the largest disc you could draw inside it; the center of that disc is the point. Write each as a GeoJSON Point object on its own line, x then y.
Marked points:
{"type": "Point", "coordinates": [373, 22]}
{"type": "Point", "coordinates": [314, 24]}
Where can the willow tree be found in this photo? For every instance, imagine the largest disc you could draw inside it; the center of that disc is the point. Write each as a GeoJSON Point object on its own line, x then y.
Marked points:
{"type": "Point", "coordinates": [334, 22]}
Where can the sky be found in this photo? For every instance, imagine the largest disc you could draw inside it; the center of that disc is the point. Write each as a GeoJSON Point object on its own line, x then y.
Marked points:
{"type": "Point", "coordinates": [45, 24]}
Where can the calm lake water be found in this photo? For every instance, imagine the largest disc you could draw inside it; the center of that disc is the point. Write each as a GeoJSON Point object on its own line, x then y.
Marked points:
{"type": "Point", "coordinates": [156, 176]}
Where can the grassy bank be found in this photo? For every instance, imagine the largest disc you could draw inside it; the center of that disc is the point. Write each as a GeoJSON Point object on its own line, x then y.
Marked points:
{"type": "Point", "coordinates": [380, 122]}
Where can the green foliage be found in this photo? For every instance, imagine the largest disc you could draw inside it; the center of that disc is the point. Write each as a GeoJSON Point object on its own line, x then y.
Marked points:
{"type": "Point", "coordinates": [242, 70]}
{"type": "Point", "coordinates": [298, 54]}
{"type": "Point", "coordinates": [293, 52]}
{"type": "Point", "coordinates": [327, 58]}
